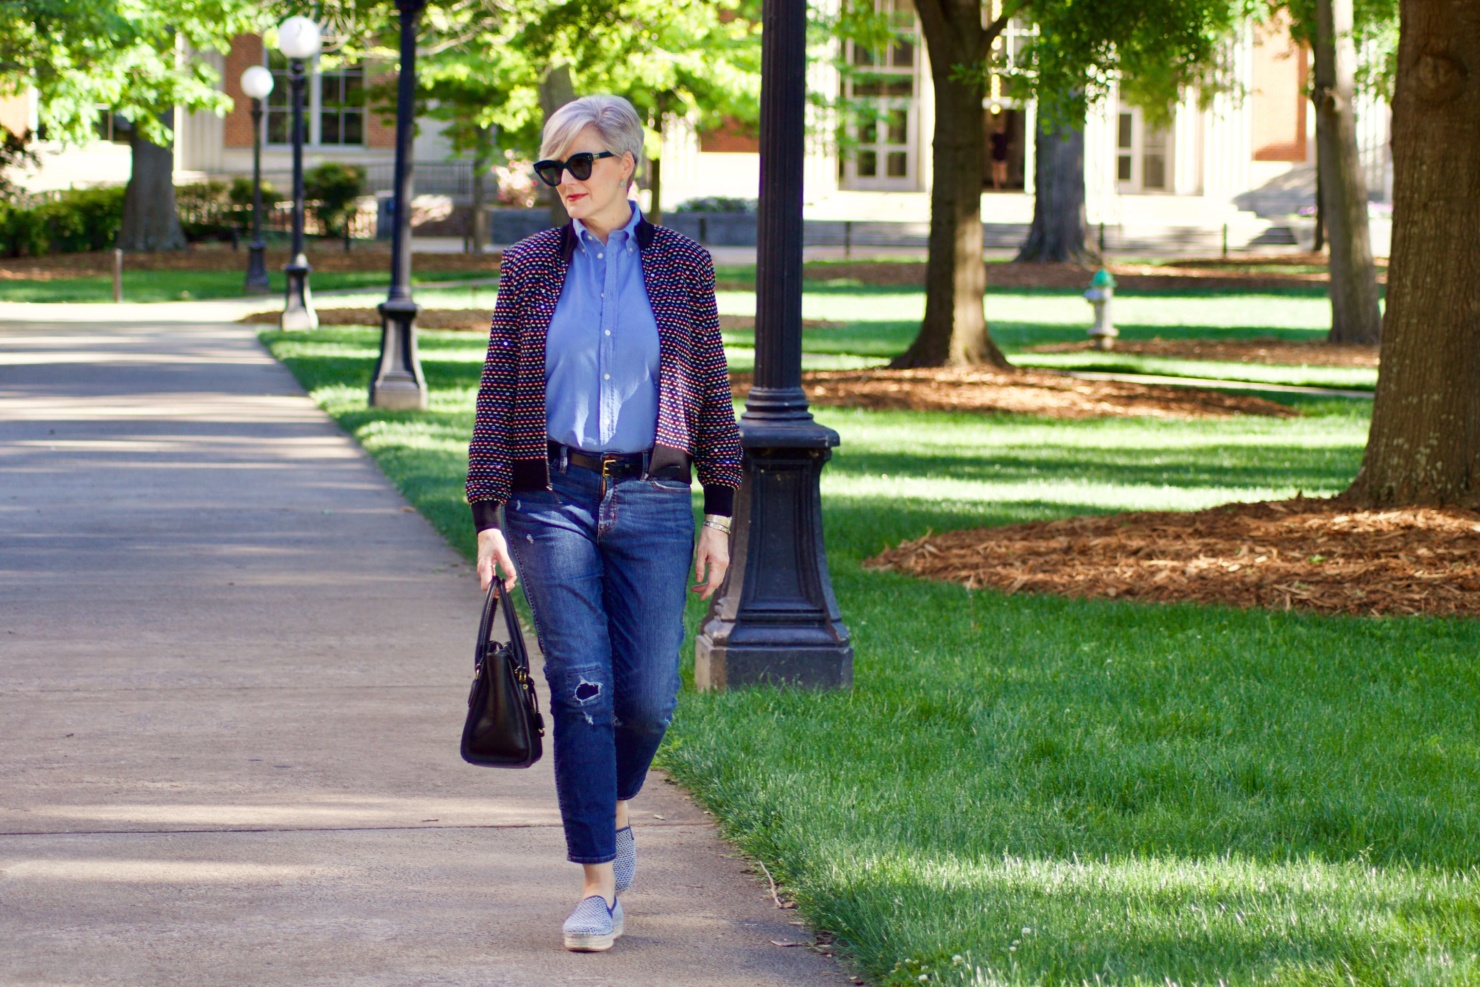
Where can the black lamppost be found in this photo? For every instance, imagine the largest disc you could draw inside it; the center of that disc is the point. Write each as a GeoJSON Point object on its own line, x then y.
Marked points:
{"type": "Point", "coordinates": [257, 83]}
{"type": "Point", "coordinates": [776, 619]}
{"type": "Point", "coordinates": [398, 382]}
{"type": "Point", "coordinates": [298, 39]}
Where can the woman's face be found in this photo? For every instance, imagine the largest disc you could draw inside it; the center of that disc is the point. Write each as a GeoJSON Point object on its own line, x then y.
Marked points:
{"type": "Point", "coordinates": [603, 196]}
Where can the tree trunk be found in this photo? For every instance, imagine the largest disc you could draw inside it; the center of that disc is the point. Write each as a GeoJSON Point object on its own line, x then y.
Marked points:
{"type": "Point", "coordinates": [479, 223]}
{"type": "Point", "coordinates": [1059, 230]}
{"type": "Point", "coordinates": [556, 89]}
{"type": "Point", "coordinates": [954, 332]}
{"type": "Point", "coordinates": [655, 190]}
{"type": "Point", "coordinates": [151, 218]}
{"type": "Point", "coordinates": [1424, 446]}
{"type": "Point", "coordinates": [1355, 315]}
{"type": "Point", "coordinates": [1318, 243]}
{"type": "Point", "coordinates": [655, 163]}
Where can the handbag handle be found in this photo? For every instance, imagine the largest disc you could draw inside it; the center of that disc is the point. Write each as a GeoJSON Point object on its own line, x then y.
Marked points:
{"type": "Point", "coordinates": [497, 595]}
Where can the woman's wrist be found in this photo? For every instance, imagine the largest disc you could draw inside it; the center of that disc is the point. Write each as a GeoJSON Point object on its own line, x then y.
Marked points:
{"type": "Point", "coordinates": [718, 522]}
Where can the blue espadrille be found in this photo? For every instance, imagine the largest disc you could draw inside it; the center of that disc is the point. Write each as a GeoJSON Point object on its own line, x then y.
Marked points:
{"type": "Point", "coordinates": [593, 927]}
{"type": "Point", "coordinates": [625, 865]}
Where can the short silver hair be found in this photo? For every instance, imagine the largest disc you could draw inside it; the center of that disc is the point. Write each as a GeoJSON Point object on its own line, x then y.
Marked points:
{"type": "Point", "coordinates": [612, 117]}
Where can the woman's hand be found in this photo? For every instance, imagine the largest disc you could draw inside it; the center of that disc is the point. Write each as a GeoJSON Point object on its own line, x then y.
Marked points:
{"type": "Point", "coordinates": [713, 555]}
{"type": "Point", "coordinates": [493, 550]}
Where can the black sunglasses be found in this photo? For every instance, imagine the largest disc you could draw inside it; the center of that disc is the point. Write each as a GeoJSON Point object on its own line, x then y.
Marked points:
{"type": "Point", "coordinates": [579, 166]}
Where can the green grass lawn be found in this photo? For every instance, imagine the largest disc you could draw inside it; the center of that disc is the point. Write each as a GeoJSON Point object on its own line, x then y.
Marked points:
{"type": "Point", "coordinates": [1025, 790]}
{"type": "Point", "coordinates": [878, 323]}
{"type": "Point", "coordinates": [172, 286]}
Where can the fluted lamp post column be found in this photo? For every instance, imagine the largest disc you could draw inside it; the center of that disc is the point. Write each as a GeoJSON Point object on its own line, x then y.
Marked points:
{"type": "Point", "coordinates": [776, 619]}
{"type": "Point", "coordinates": [256, 84]}
{"type": "Point", "coordinates": [299, 39]}
{"type": "Point", "coordinates": [398, 381]}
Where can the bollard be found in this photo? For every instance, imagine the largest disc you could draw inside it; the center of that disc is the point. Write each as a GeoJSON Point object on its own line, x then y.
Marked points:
{"type": "Point", "coordinates": [117, 274]}
{"type": "Point", "coordinates": [847, 239]}
{"type": "Point", "coordinates": [1101, 290]}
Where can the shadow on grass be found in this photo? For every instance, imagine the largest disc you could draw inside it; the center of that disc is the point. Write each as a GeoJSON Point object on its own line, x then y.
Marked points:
{"type": "Point", "coordinates": [1066, 791]}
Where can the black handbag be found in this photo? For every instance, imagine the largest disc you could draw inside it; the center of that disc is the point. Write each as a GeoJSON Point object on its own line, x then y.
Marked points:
{"type": "Point", "coordinates": [504, 725]}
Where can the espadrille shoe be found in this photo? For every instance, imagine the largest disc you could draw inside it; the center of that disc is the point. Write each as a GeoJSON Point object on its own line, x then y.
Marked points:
{"type": "Point", "coordinates": [593, 927]}
{"type": "Point", "coordinates": [625, 865]}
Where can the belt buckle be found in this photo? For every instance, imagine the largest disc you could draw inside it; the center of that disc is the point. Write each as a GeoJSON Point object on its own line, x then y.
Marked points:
{"type": "Point", "coordinates": [609, 466]}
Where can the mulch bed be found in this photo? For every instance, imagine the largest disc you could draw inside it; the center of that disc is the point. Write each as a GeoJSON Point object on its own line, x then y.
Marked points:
{"type": "Point", "coordinates": [471, 319]}
{"type": "Point", "coordinates": [1309, 554]}
{"type": "Point", "coordinates": [364, 257]}
{"type": "Point", "coordinates": [1259, 350]}
{"type": "Point", "coordinates": [1214, 274]}
{"type": "Point", "coordinates": [468, 319]}
{"type": "Point", "coordinates": [1025, 392]}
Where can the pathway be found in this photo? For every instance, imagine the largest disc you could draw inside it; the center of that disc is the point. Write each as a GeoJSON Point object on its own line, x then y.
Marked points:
{"type": "Point", "coordinates": [233, 664]}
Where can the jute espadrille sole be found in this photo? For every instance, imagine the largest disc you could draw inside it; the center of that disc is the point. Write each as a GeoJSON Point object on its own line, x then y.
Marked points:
{"type": "Point", "coordinates": [592, 927]}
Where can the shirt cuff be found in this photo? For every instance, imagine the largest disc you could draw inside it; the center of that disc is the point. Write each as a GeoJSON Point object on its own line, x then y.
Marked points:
{"type": "Point", "coordinates": [719, 500]}
{"type": "Point", "coordinates": [485, 514]}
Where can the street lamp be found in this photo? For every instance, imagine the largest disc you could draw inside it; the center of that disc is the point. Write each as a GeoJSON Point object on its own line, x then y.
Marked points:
{"type": "Point", "coordinates": [398, 381]}
{"type": "Point", "coordinates": [776, 619]}
{"type": "Point", "coordinates": [256, 83]}
{"type": "Point", "coordinates": [298, 39]}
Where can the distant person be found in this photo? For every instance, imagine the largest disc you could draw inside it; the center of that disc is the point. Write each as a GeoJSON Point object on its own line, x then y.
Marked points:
{"type": "Point", "coordinates": [1001, 145]}
{"type": "Point", "coordinates": [604, 386]}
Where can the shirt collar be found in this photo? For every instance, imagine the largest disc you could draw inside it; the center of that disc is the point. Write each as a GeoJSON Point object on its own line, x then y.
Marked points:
{"type": "Point", "coordinates": [630, 229]}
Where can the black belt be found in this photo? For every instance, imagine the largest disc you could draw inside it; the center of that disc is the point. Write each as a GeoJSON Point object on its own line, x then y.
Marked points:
{"type": "Point", "coordinates": [615, 466]}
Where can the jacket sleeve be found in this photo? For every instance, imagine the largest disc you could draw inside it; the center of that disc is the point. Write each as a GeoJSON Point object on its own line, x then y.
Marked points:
{"type": "Point", "coordinates": [717, 444]}
{"type": "Point", "coordinates": [488, 452]}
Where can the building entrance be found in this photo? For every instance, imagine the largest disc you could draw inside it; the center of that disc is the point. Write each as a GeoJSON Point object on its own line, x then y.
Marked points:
{"type": "Point", "coordinates": [1003, 152]}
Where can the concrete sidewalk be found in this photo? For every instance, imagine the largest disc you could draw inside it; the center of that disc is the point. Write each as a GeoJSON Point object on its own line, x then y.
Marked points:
{"type": "Point", "coordinates": [233, 666]}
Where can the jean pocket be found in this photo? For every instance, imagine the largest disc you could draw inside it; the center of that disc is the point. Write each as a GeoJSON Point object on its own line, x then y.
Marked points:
{"type": "Point", "coordinates": [670, 486]}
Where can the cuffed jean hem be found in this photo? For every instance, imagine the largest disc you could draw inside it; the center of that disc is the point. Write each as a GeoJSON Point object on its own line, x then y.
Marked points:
{"type": "Point", "coordinates": [591, 860]}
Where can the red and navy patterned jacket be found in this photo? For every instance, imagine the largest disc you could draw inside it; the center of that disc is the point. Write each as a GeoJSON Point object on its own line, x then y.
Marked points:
{"type": "Point", "coordinates": [696, 421]}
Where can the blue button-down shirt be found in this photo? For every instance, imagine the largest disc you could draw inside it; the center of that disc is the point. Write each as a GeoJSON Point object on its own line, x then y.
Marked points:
{"type": "Point", "coordinates": [601, 352]}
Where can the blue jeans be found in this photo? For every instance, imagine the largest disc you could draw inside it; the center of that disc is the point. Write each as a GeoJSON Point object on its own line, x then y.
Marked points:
{"type": "Point", "coordinates": [604, 564]}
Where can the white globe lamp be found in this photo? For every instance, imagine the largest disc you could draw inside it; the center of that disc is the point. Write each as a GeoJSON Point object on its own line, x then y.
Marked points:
{"type": "Point", "coordinates": [299, 37]}
{"type": "Point", "coordinates": [257, 82]}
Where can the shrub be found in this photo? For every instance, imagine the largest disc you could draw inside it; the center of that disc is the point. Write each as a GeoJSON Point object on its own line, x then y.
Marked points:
{"type": "Point", "coordinates": [67, 222]}
{"type": "Point", "coordinates": [240, 193]}
{"type": "Point", "coordinates": [515, 179]}
{"type": "Point", "coordinates": [717, 203]}
{"type": "Point", "coordinates": [206, 211]}
{"type": "Point", "coordinates": [333, 188]}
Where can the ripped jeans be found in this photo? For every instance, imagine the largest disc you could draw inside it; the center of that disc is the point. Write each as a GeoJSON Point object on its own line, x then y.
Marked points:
{"type": "Point", "coordinates": [605, 566]}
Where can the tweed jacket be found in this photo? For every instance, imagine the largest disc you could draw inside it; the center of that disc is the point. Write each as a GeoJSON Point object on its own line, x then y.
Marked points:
{"type": "Point", "coordinates": [696, 420]}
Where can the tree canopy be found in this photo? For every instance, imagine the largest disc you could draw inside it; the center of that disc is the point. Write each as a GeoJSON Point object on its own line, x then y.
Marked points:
{"type": "Point", "coordinates": [123, 54]}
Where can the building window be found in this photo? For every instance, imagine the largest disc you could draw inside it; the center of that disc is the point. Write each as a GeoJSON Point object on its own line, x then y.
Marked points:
{"type": "Point", "coordinates": [1007, 49]}
{"type": "Point", "coordinates": [886, 83]}
{"type": "Point", "coordinates": [333, 104]}
{"type": "Point", "coordinates": [112, 127]}
{"type": "Point", "coordinates": [1143, 154]}
{"type": "Point", "coordinates": [341, 109]}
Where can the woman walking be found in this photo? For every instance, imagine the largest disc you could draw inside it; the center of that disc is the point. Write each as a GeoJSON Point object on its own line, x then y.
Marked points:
{"type": "Point", "coordinates": [604, 390]}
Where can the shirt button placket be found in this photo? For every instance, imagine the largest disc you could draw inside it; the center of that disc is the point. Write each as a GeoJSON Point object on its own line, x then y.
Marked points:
{"type": "Point", "coordinates": [608, 322]}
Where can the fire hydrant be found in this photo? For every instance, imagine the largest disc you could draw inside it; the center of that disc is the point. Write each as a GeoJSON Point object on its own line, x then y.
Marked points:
{"type": "Point", "coordinates": [1101, 290]}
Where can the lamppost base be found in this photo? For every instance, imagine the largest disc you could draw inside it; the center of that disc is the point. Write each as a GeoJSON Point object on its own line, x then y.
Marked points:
{"type": "Point", "coordinates": [257, 280]}
{"type": "Point", "coordinates": [721, 666]}
{"type": "Point", "coordinates": [398, 383]}
{"type": "Point", "coordinates": [298, 312]}
{"type": "Point", "coordinates": [776, 620]}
